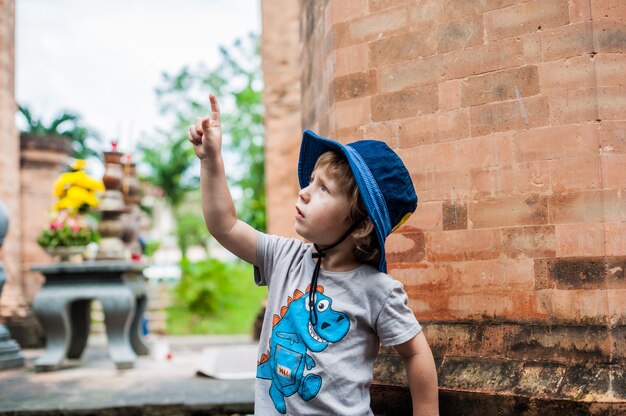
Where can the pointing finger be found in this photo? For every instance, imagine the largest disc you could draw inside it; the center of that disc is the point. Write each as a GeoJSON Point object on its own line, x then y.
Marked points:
{"type": "Point", "coordinates": [215, 107]}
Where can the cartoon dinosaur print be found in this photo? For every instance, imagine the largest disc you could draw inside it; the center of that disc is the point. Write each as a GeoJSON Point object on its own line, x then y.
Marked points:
{"type": "Point", "coordinates": [292, 336]}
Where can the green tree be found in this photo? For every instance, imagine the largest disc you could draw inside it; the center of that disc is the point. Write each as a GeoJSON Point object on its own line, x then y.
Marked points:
{"type": "Point", "coordinates": [84, 140]}
{"type": "Point", "coordinates": [237, 81]}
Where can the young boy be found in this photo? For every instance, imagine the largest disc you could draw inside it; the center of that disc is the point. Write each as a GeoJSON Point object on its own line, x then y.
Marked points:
{"type": "Point", "coordinates": [330, 302]}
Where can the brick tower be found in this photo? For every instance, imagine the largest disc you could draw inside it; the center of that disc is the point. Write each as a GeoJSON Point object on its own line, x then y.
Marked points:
{"type": "Point", "coordinates": [510, 116]}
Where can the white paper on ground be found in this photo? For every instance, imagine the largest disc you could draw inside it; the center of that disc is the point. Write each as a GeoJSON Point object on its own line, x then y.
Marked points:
{"type": "Point", "coordinates": [228, 362]}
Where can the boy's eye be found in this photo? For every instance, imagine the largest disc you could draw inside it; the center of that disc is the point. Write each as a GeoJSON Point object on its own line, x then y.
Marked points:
{"type": "Point", "coordinates": [324, 188]}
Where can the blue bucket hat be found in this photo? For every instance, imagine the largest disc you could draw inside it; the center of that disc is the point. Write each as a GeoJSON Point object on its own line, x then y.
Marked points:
{"type": "Point", "coordinates": [384, 182]}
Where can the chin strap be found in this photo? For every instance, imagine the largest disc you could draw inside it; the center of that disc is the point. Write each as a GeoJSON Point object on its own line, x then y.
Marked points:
{"type": "Point", "coordinates": [321, 252]}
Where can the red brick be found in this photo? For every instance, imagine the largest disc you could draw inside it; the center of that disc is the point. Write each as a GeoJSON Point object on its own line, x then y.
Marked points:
{"type": "Point", "coordinates": [609, 36]}
{"type": "Point", "coordinates": [378, 5]}
{"type": "Point", "coordinates": [529, 242]}
{"type": "Point", "coordinates": [580, 240]}
{"type": "Point", "coordinates": [405, 103]}
{"type": "Point", "coordinates": [405, 246]}
{"type": "Point", "coordinates": [454, 215]}
{"type": "Point", "coordinates": [427, 216]}
{"type": "Point", "coordinates": [410, 74]}
{"type": "Point", "coordinates": [403, 47]}
{"type": "Point", "coordinates": [574, 306]}
{"type": "Point", "coordinates": [458, 9]}
{"type": "Point", "coordinates": [608, 9]}
{"type": "Point", "coordinates": [385, 130]}
{"type": "Point", "coordinates": [518, 179]}
{"type": "Point", "coordinates": [442, 185]}
{"type": "Point", "coordinates": [500, 86]}
{"type": "Point", "coordinates": [577, 207]}
{"type": "Point", "coordinates": [498, 275]}
{"type": "Point", "coordinates": [509, 211]}
{"type": "Point", "coordinates": [464, 155]}
{"type": "Point", "coordinates": [532, 48]}
{"type": "Point", "coordinates": [493, 305]}
{"type": "Point", "coordinates": [525, 18]}
{"type": "Point", "coordinates": [567, 41]}
{"type": "Point", "coordinates": [492, 56]}
{"type": "Point", "coordinates": [346, 10]}
{"type": "Point", "coordinates": [612, 103]}
{"type": "Point", "coordinates": [560, 142]}
{"type": "Point", "coordinates": [520, 114]}
{"type": "Point", "coordinates": [351, 59]}
{"type": "Point", "coordinates": [463, 245]}
{"type": "Point", "coordinates": [424, 276]}
{"type": "Point", "coordinates": [574, 106]}
{"type": "Point", "coordinates": [564, 74]}
{"type": "Point", "coordinates": [615, 238]}
{"type": "Point", "coordinates": [614, 205]}
{"type": "Point", "coordinates": [613, 170]}
{"type": "Point", "coordinates": [610, 69]}
{"type": "Point", "coordinates": [579, 11]}
{"type": "Point", "coordinates": [460, 34]}
{"type": "Point", "coordinates": [351, 113]}
{"type": "Point", "coordinates": [575, 174]}
{"type": "Point", "coordinates": [449, 95]}
{"type": "Point", "coordinates": [433, 128]}
{"type": "Point", "coordinates": [617, 314]}
{"type": "Point", "coordinates": [351, 86]}
{"type": "Point", "coordinates": [613, 136]}
{"type": "Point", "coordinates": [425, 14]}
{"type": "Point", "coordinates": [370, 27]}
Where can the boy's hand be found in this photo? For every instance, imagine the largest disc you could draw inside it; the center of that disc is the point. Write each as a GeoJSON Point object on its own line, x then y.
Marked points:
{"type": "Point", "coordinates": [206, 134]}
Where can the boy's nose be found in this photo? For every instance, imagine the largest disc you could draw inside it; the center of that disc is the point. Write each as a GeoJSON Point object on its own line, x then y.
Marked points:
{"type": "Point", "coordinates": [304, 193]}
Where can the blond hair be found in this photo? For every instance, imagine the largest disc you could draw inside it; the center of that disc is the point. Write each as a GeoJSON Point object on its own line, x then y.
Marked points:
{"type": "Point", "coordinates": [366, 249]}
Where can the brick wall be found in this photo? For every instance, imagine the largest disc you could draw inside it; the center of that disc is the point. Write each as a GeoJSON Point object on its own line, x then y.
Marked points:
{"type": "Point", "coordinates": [510, 116]}
{"type": "Point", "coordinates": [9, 161]}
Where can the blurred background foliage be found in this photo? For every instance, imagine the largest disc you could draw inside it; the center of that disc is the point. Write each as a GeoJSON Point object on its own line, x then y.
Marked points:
{"type": "Point", "coordinates": [85, 141]}
{"type": "Point", "coordinates": [213, 296]}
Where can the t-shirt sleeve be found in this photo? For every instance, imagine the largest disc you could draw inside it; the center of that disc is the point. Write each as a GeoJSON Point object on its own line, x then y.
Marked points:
{"type": "Point", "coordinates": [396, 322]}
{"type": "Point", "coordinates": [270, 250]}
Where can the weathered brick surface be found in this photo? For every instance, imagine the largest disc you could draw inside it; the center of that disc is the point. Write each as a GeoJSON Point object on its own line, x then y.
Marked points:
{"type": "Point", "coordinates": [526, 17]}
{"type": "Point", "coordinates": [500, 86]}
{"type": "Point", "coordinates": [509, 115]}
{"type": "Point", "coordinates": [402, 47]}
{"type": "Point", "coordinates": [405, 103]}
{"type": "Point", "coordinates": [520, 114]}
{"type": "Point", "coordinates": [460, 34]}
{"type": "Point", "coordinates": [567, 41]}
{"type": "Point", "coordinates": [509, 211]}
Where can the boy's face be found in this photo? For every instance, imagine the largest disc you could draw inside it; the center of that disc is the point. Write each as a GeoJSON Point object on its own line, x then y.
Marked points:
{"type": "Point", "coordinates": [322, 210]}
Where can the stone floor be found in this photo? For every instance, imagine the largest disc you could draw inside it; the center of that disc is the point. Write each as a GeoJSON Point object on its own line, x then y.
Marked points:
{"type": "Point", "coordinates": [157, 385]}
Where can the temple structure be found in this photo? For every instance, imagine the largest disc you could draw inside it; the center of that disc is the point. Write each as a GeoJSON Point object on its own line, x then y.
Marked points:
{"type": "Point", "coordinates": [510, 116]}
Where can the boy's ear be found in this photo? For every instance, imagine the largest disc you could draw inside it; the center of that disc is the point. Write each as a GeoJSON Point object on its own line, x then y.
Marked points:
{"type": "Point", "coordinates": [364, 229]}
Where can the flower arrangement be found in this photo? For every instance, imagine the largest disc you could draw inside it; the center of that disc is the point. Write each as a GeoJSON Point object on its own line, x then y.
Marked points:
{"type": "Point", "coordinates": [76, 194]}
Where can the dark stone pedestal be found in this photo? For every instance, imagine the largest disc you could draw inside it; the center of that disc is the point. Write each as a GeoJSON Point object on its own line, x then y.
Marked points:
{"type": "Point", "coordinates": [63, 306]}
{"type": "Point", "coordinates": [10, 355]}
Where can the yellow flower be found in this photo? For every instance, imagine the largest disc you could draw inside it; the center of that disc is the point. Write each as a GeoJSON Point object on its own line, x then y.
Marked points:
{"type": "Point", "coordinates": [75, 190]}
{"type": "Point", "coordinates": [79, 164]}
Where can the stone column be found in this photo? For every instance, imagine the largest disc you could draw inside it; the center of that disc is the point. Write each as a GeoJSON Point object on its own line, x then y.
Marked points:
{"type": "Point", "coordinates": [10, 355]}
{"type": "Point", "coordinates": [281, 98]}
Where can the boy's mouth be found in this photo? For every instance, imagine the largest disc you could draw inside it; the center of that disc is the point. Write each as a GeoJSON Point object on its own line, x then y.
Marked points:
{"type": "Point", "coordinates": [299, 213]}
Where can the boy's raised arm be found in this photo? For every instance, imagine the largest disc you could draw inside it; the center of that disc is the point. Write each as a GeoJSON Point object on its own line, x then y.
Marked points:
{"type": "Point", "coordinates": [217, 204]}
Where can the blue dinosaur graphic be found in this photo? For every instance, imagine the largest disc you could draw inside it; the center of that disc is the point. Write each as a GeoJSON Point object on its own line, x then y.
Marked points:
{"type": "Point", "coordinates": [292, 336]}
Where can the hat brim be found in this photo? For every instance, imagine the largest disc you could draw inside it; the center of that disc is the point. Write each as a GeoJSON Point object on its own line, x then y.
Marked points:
{"type": "Point", "coordinates": [312, 147]}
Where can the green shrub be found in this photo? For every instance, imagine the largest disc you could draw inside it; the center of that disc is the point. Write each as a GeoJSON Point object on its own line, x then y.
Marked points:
{"type": "Point", "coordinates": [214, 297]}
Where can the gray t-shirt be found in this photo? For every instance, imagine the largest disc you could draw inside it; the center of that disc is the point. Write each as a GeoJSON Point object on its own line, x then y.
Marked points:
{"type": "Point", "coordinates": [324, 369]}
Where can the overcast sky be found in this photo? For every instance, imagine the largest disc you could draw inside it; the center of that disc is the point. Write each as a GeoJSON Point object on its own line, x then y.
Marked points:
{"type": "Point", "coordinates": [104, 58]}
